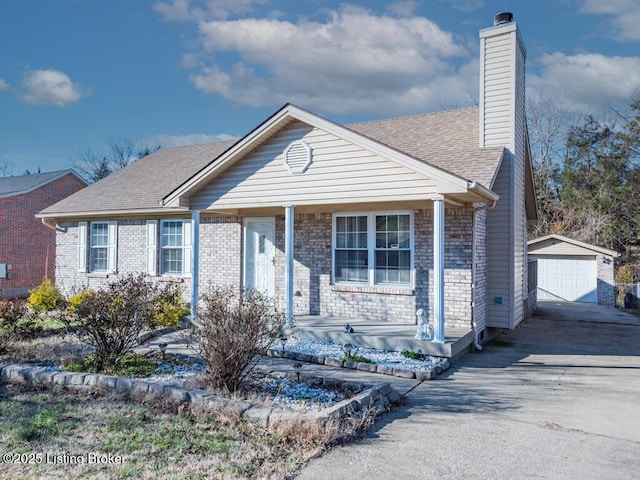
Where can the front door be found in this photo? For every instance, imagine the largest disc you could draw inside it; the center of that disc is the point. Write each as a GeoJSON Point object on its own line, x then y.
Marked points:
{"type": "Point", "coordinates": [259, 254]}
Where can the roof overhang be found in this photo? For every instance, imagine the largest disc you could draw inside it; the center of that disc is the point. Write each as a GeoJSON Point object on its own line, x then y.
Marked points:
{"type": "Point", "coordinates": [160, 211]}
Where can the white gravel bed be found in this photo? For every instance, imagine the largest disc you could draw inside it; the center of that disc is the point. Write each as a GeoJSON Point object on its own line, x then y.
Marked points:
{"type": "Point", "coordinates": [380, 357]}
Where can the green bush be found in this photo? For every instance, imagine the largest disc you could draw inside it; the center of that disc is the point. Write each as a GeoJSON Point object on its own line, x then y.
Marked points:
{"type": "Point", "coordinates": [45, 297]}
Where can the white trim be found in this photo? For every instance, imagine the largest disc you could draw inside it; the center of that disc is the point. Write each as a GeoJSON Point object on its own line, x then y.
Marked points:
{"type": "Point", "coordinates": [152, 247]}
{"type": "Point", "coordinates": [186, 248]}
{"type": "Point", "coordinates": [371, 248]}
{"type": "Point", "coordinates": [195, 261]}
{"type": "Point", "coordinates": [112, 248]}
{"type": "Point", "coordinates": [289, 232]}
{"type": "Point", "coordinates": [82, 246]}
{"type": "Point", "coordinates": [438, 269]}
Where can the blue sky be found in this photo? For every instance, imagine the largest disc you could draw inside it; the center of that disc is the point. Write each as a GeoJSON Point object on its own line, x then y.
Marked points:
{"type": "Point", "coordinates": [77, 73]}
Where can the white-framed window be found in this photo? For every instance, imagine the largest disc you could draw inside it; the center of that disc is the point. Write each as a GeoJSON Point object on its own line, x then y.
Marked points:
{"type": "Point", "coordinates": [97, 246]}
{"type": "Point", "coordinates": [175, 247]}
{"type": "Point", "coordinates": [373, 248]}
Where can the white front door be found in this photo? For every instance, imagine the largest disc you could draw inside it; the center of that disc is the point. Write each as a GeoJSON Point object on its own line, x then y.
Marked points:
{"type": "Point", "coordinates": [259, 254]}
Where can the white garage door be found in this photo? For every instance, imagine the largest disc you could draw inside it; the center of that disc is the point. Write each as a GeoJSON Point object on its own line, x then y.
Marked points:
{"type": "Point", "coordinates": [568, 279]}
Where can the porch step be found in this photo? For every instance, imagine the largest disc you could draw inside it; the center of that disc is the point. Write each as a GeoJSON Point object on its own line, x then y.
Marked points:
{"type": "Point", "coordinates": [381, 336]}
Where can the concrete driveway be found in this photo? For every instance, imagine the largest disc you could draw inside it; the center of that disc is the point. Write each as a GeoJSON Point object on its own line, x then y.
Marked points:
{"type": "Point", "coordinates": [557, 398]}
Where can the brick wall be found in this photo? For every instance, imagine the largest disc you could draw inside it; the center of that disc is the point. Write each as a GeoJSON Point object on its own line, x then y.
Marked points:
{"type": "Point", "coordinates": [221, 265]}
{"type": "Point", "coordinates": [314, 294]}
{"type": "Point", "coordinates": [606, 282]}
{"type": "Point", "coordinates": [25, 243]}
{"type": "Point", "coordinates": [220, 255]}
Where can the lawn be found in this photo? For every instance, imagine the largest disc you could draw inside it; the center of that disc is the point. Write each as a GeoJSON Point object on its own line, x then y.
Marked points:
{"type": "Point", "coordinates": [102, 435]}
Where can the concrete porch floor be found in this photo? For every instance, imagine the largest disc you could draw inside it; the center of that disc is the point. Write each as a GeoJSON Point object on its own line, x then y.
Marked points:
{"type": "Point", "coordinates": [380, 335]}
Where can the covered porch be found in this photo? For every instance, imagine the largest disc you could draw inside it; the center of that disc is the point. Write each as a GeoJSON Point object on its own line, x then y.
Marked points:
{"type": "Point", "coordinates": [379, 335]}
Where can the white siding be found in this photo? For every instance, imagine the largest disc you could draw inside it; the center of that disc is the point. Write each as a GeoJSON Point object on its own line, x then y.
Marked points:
{"type": "Point", "coordinates": [339, 173]}
{"type": "Point", "coordinates": [503, 123]}
{"type": "Point", "coordinates": [554, 247]}
{"type": "Point", "coordinates": [500, 252]}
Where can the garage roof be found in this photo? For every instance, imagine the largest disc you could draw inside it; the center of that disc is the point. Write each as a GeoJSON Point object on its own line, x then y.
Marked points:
{"type": "Point", "coordinates": [544, 245]}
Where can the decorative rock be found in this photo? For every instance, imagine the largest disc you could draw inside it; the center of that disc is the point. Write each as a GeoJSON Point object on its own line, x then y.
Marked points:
{"type": "Point", "coordinates": [123, 384]}
{"type": "Point", "coordinates": [61, 378]}
{"type": "Point", "coordinates": [316, 359]}
{"type": "Point", "coordinates": [367, 367]}
{"type": "Point", "coordinates": [384, 389]}
{"type": "Point", "coordinates": [425, 375]}
{"type": "Point", "coordinates": [394, 396]}
{"type": "Point", "coordinates": [398, 372]}
{"type": "Point", "coordinates": [333, 362]}
{"type": "Point", "coordinates": [76, 379]}
{"type": "Point", "coordinates": [350, 364]}
{"type": "Point", "coordinates": [107, 381]}
{"type": "Point", "coordinates": [259, 415]}
{"type": "Point", "coordinates": [385, 369]}
{"type": "Point", "coordinates": [176, 394]}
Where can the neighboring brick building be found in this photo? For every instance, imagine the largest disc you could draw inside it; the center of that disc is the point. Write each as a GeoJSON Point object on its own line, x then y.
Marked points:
{"type": "Point", "coordinates": [27, 246]}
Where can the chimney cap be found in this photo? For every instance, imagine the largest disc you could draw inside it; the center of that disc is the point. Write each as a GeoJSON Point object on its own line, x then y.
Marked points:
{"type": "Point", "coordinates": [502, 18]}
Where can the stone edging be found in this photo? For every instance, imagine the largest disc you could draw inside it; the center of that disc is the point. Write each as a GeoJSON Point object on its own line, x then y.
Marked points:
{"type": "Point", "coordinates": [421, 375]}
{"type": "Point", "coordinates": [378, 397]}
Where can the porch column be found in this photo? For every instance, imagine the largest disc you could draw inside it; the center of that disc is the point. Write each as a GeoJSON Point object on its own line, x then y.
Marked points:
{"type": "Point", "coordinates": [288, 253]}
{"type": "Point", "coordinates": [195, 260]}
{"type": "Point", "coordinates": [438, 269]}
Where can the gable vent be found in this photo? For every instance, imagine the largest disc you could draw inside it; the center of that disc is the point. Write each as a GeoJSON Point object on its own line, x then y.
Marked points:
{"type": "Point", "coordinates": [297, 156]}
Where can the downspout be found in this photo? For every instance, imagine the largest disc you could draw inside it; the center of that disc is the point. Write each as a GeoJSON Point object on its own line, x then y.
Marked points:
{"type": "Point", "coordinates": [476, 209]}
{"type": "Point", "coordinates": [55, 226]}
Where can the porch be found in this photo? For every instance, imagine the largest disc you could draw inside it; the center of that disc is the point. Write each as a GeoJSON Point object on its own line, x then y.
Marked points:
{"type": "Point", "coordinates": [380, 335]}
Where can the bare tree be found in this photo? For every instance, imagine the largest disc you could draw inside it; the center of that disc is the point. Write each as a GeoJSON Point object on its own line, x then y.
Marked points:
{"type": "Point", "coordinates": [5, 169]}
{"type": "Point", "coordinates": [122, 152]}
{"type": "Point", "coordinates": [548, 124]}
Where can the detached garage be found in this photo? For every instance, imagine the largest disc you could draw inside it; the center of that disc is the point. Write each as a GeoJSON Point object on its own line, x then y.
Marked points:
{"type": "Point", "coordinates": [573, 271]}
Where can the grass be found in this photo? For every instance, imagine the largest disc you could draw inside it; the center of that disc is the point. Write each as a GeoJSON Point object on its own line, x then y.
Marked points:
{"type": "Point", "coordinates": [152, 440]}
{"type": "Point", "coordinates": [130, 364]}
{"type": "Point", "coordinates": [354, 357]}
{"type": "Point", "coordinates": [413, 355]}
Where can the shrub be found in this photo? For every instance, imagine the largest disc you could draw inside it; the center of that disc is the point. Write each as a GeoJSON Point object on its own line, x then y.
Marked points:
{"type": "Point", "coordinates": [111, 319]}
{"type": "Point", "coordinates": [171, 307]}
{"type": "Point", "coordinates": [76, 300]}
{"type": "Point", "coordinates": [45, 297]}
{"type": "Point", "coordinates": [16, 323]}
{"type": "Point", "coordinates": [233, 330]}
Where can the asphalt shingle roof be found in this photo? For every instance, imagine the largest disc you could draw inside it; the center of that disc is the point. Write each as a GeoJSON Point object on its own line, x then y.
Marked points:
{"type": "Point", "coordinates": [10, 186]}
{"type": "Point", "coordinates": [446, 140]}
{"type": "Point", "coordinates": [144, 183]}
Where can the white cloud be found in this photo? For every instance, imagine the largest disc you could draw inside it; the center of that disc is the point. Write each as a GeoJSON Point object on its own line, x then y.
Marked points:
{"type": "Point", "coordinates": [3, 85]}
{"type": "Point", "coordinates": [181, 10]}
{"type": "Point", "coordinates": [625, 16]}
{"type": "Point", "coordinates": [50, 87]}
{"type": "Point", "coordinates": [404, 8]}
{"type": "Point", "coordinates": [355, 61]}
{"type": "Point", "coordinates": [585, 80]}
{"type": "Point", "coordinates": [184, 140]}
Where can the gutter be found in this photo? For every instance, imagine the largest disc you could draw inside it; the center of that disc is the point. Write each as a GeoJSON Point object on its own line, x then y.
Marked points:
{"type": "Point", "coordinates": [474, 327]}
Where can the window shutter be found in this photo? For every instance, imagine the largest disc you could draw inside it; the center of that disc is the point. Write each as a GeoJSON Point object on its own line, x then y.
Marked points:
{"type": "Point", "coordinates": [82, 246]}
{"type": "Point", "coordinates": [152, 247]}
{"type": "Point", "coordinates": [187, 242]}
{"type": "Point", "coordinates": [112, 248]}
